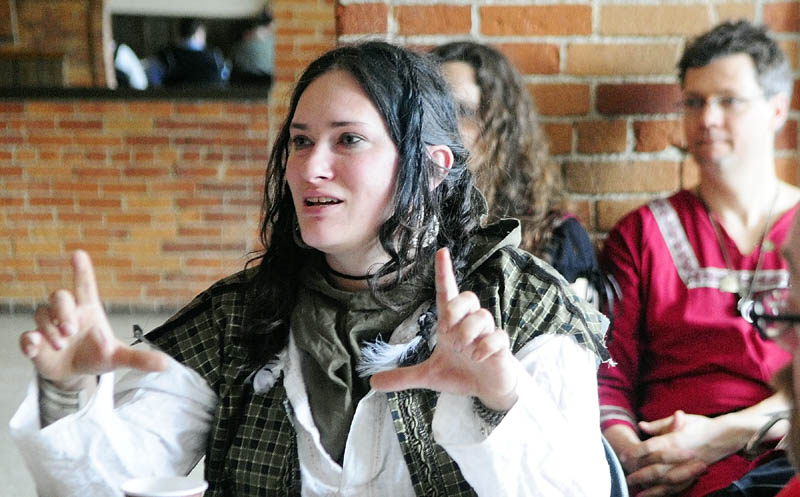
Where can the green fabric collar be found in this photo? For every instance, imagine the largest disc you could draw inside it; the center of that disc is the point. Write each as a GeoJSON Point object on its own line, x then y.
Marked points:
{"type": "Point", "coordinates": [330, 325]}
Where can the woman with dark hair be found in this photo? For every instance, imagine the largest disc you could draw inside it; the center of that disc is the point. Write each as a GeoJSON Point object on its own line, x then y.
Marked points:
{"type": "Point", "coordinates": [384, 344]}
{"type": "Point", "coordinates": [510, 158]}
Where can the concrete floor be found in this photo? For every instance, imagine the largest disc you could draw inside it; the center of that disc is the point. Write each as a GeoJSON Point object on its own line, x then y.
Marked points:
{"type": "Point", "coordinates": [16, 373]}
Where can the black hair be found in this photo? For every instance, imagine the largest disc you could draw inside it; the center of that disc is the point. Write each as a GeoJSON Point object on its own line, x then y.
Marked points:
{"type": "Point", "coordinates": [415, 103]}
{"type": "Point", "coordinates": [188, 26]}
{"type": "Point", "coordinates": [728, 38]}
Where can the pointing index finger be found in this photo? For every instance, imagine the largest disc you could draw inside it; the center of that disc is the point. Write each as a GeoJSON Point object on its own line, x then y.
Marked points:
{"type": "Point", "coordinates": [446, 286]}
{"type": "Point", "coordinates": [84, 280]}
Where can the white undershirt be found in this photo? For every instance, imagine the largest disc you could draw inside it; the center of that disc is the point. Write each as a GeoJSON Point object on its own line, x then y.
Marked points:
{"type": "Point", "coordinates": [157, 424]}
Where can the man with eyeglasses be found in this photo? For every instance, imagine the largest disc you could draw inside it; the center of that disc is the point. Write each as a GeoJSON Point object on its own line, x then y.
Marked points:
{"type": "Point", "coordinates": [692, 380]}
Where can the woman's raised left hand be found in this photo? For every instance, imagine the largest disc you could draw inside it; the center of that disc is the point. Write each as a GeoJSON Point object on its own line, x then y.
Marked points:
{"type": "Point", "coordinates": [472, 355]}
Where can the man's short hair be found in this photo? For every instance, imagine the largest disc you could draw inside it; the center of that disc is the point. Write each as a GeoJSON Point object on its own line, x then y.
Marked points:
{"type": "Point", "coordinates": [772, 67]}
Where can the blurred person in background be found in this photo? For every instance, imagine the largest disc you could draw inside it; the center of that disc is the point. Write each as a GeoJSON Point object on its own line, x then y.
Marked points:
{"type": "Point", "coordinates": [190, 62]}
{"type": "Point", "coordinates": [510, 160]}
{"type": "Point", "coordinates": [253, 56]}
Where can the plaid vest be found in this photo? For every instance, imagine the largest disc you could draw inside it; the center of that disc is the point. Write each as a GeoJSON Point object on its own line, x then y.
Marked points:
{"type": "Point", "coordinates": [252, 449]}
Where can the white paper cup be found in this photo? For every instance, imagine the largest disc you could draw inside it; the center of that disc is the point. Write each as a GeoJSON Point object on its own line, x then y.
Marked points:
{"type": "Point", "coordinates": [171, 486]}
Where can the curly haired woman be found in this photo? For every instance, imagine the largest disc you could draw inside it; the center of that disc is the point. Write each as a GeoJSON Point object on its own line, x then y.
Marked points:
{"type": "Point", "coordinates": [510, 158]}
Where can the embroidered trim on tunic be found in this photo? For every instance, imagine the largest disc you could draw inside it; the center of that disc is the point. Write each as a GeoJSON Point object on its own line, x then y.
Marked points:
{"type": "Point", "coordinates": [685, 259]}
{"type": "Point", "coordinates": [609, 413]}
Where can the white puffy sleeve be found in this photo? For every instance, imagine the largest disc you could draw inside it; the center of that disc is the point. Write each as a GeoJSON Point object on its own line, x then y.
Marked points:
{"type": "Point", "coordinates": [549, 443]}
{"type": "Point", "coordinates": [142, 424]}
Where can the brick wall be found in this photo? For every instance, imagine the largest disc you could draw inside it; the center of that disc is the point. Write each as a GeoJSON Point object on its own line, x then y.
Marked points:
{"type": "Point", "coordinates": [73, 27]}
{"type": "Point", "coordinates": [602, 74]}
{"type": "Point", "coordinates": [165, 195]}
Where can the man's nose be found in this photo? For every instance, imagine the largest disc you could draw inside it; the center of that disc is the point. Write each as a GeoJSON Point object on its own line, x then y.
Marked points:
{"type": "Point", "coordinates": [712, 113]}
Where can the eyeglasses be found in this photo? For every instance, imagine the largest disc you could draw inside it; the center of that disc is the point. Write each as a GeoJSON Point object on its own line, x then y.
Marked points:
{"type": "Point", "coordinates": [730, 104]}
{"type": "Point", "coordinates": [770, 317]}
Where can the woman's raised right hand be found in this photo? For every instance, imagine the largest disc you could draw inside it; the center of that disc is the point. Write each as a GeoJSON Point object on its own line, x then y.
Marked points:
{"type": "Point", "coordinates": [73, 339]}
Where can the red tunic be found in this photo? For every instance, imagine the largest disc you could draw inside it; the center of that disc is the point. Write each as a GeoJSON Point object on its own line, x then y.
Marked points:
{"type": "Point", "coordinates": [792, 489]}
{"type": "Point", "coordinates": [678, 341]}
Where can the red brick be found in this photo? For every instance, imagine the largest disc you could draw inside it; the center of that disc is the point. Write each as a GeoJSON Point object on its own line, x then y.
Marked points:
{"type": "Point", "coordinates": [786, 168]}
{"type": "Point", "coordinates": [611, 211]}
{"type": "Point", "coordinates": [240, 172]}
{"type": "Point", "coordinates": [12, 108]}
{"type": "Point", "coordinates": [258, 144]}
{"type": "Point", "coordinates": [51, 140]}
{"type": "Point", "coordinates": [101, 203]}
{"type": "Point", "coordinates": [95, 155]}
{"type": "Point", "coordinates": [559, 136]}
{"type": "Point", "coordinates": [108, 141]}
{"type": "Point", "coordinates": [206, 263]}
{"type": "Point", "coordinates": [138, 278]}
{"type": "Point", "coordinates": [787, 137]}
{"type": "Point", "coordinates": [50, 108]}
{"type": "Point", "coordinates": [561, 99]}
{"type": "Point", "coordinates": [783, 16]}
{"type": "Point", "coordinates": [250, 108]}
{"type": "Point", "coordinates": [101, 107]}
{"type": "Point", "coordinates": [197, 202]}
{"type": "Point", "coordinates": [96, 172]}
{"type": "Point", "coordinates": [622, 58]}
{"type": "Point", "coordinates": [654, 20]}
{"type": "Point", "coordinates": [735, 11]}
{"type": "Point", "coordinates": [51, 201]}
{"type": "Point", "coordinates": [205, 232]}
{"type": "Point", "coordinates": [80, 124]}
{"type": "Point", "coordinates": [362, 18]}
{"type": "Point", "coordinates": [796, 96]}
{"type": "Point", "coordinates": [196, 172]}
{"type": "Point", "coordinates": [101, 261]}
{"type": "Point", "coordinates": [38, 277]}
{"type": "Point", "coordinates": [690, 173]}
{"type": "Point", "coordinates": [145, 172]}
{"type": "Point", "coordinates": [32, 124]}
{"type": "Point", "coordinates": [433, 19]}
{"type": "Point", "coordinates": [792, 51]}
{"type": "Point", "coordinates": [127, 187]}
{"type": "Point", "coordinates": [151, 108]}
{"type": "Point", "coordinates": [79, 217]}
{"type": "Point", "coordinates": [202, 247]}
{"type": "Point", "coordinates": [8, 172]}
{"type": "Point", "coordinates": [196, 140]}
{"type": "Point", "coordinates": [31, 216]}
{"type": "Point", "coordinates": [128, 218]}
{"type": "Point", "coordinates": [11, 202]}
{"type": "Point", "coordinates": [91, 247]}
{"type": "Point", "coordinates": [105, 233]}
{"type": "Point", "coordinates": [622, 177]}
{"type": "Point", "coordinates": [532, 58]}
{"type": "Point", "coordinates": [637, 98]}
{"type": "Point", "coordinates": [147, 140]}
{"type": "Point", "coordinates": [655, 136]}
{"type": "Point", "coordinates": [595, 137]}
{"type": "Point", "coordinates": [200, 108]}
{"type": "Point", "coordinates": [536, 20]}
{"type": "Point", "coordinates": [222, 217]}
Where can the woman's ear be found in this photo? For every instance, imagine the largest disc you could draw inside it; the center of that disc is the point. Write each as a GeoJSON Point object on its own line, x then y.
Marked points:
{"type": "Point", "coordinates": [443, 158]}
